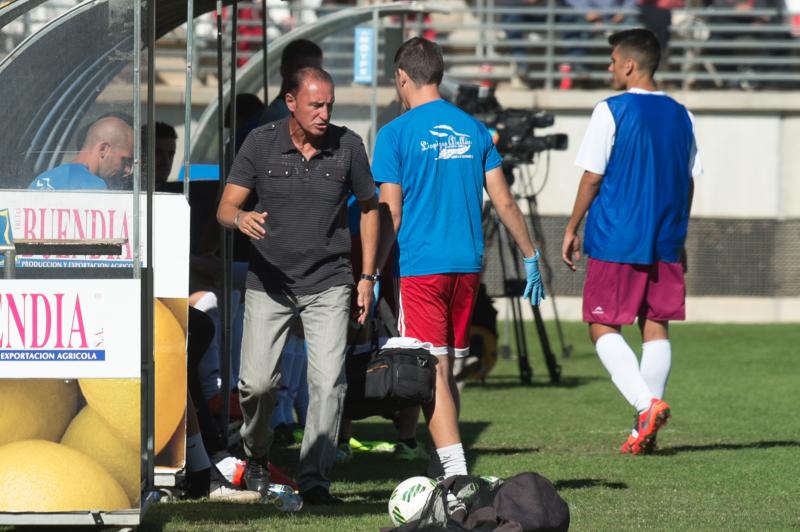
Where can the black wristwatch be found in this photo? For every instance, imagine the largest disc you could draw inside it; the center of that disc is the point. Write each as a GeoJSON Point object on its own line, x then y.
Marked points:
{"type": "Point", "coordinates": [374, 277]}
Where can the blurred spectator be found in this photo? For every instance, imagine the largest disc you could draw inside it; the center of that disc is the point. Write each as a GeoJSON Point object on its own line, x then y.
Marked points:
{"type": "Point", "coordinates": [656, 16]}
{"type": "Point", "coordinates": [739, 13]}
{"type": "Point", "coordinates": [298, 54]}
{"type": "Point", "coordinates": [604, 16]}
{"type": "Point", "coordinates": [249, 109]}
{"type": "Point", "coordinates": [166, 145]}
{"type": "Point", "coordinates": [515, 34]}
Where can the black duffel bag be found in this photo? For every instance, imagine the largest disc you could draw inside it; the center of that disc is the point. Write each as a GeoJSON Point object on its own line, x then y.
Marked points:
{"type": "Point", "coordinates": [405, 377]}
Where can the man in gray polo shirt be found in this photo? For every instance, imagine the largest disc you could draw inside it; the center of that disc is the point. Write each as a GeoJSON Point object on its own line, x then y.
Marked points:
{"type": "Point", "coordinates": [302, 168]}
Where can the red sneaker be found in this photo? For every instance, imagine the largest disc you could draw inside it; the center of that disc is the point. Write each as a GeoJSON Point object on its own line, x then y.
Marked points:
{"type": "Point", "coordinates": [649, 423]}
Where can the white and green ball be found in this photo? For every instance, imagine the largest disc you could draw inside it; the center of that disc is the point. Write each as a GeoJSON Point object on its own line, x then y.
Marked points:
{"type": "Point", "coordinates": [409, 498]}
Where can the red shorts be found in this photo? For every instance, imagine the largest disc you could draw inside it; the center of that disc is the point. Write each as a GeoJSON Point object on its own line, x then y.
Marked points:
{"type": "Point", "coordinates": [617, 294]}
{"type": "Point", "coordinates": [438, 309]}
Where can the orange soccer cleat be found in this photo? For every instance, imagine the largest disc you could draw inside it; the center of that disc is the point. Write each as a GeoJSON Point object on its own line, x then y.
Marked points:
{"type": "Point", "coordinates": [648, 424]}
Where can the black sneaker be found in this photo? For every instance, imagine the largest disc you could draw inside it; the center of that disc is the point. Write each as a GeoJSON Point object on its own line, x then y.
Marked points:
{"type": "Point", "coordinates": [256, 475]}
{"type": "Point", "coordinates": [320, 496]}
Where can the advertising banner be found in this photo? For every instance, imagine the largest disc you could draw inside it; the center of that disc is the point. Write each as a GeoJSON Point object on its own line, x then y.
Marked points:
{"type": "Point", "coordinates": [90, 215]}
{"type": "Point", "coordinates": [70, 355]}
{"type": "Point", "coordinates": [74, 328]}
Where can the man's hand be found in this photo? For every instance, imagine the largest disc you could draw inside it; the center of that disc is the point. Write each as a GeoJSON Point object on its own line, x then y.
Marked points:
{"type": "Point", "coordinates": [364, 298]}
{"type": "Point", "coordinates": [571, 245]}
{"type": "Point", "coordinates": [534, 288]}
{"type": "Point", "coordinates": [251, 223]}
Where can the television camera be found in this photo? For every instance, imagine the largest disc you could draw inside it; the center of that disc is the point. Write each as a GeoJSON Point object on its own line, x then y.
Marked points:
{"type": "Point", "coordinates": [513, 128]}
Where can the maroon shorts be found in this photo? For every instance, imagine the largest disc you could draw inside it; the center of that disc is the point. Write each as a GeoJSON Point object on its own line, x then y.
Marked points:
{"type": "Point", "coordinates": [617, 294]}
{"type": "Point", "coordinates": [438, 309]}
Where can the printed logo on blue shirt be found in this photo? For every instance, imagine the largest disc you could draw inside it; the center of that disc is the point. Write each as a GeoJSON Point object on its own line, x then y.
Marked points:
{"type": "Point", "coordinates": [42, 183]}
{"type": "Point", "coordinates": [450, 143]}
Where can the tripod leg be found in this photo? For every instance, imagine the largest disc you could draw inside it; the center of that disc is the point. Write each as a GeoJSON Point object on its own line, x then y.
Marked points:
{"type": "Point", "coordinates": [525, 370]}
{"type": "Point", "coordinates": [538, 235]}
{"type": "Point", "coordinates": [552, 366]}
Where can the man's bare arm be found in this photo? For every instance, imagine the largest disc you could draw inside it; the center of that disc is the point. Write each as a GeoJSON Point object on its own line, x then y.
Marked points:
{"type": "Point", "coordinates": [370, 231]}
{"type": "Point", "coordinates": [391, 214]}
{"type": "Point", "coordinates": [369, 246]}
{"type": "Point", "coordinates": [231, 215]}
{"type": "Point", "coordinates": [587, 190]}
{"type": "Point", "coordinates": [508, 210]}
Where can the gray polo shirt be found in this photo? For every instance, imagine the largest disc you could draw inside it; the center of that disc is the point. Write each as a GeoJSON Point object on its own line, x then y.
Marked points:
{"type": "Point", "coordinates": [307, 246]}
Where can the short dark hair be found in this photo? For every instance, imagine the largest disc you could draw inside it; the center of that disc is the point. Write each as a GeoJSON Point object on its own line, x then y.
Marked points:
{"type": "Point", "coordinates": [163, 131]}
{"type": "Point", "coordinates": [299, 76]}
{"type": "Point", "coordinates": [422, 60]}
{"type": "Point", "coordinates": [641, 44]}
{"type": "Point", "coordinates": [297, 54]}
{"type": "Point", "coordinates": [248, 107]}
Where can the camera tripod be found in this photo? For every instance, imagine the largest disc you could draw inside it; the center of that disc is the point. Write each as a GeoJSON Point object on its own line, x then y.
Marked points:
{"type": "Point", "coordinates": [514, 285]}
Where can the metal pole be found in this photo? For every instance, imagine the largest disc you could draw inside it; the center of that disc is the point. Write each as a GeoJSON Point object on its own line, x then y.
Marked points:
{"type": "Point", "coordinates": [144, 355]}
{"type": "Point", "coordinates": [550, 47]}
{"type": "Point", "coordinates": [187, 115]}
{"type": "Point", "coordinates": [490, 25]}
{"type": "Point", "coordinates": [480, 49]}
{"type": "Point", "coordinates": [373, 108]}
{"type": "Point", "coordinates": [137, 127]}
{"type": "Point", "coordinates": [221, 100]}
{"type": "Point", "coordinates": [150, 382]}
{"type": "Point", "coordinates": [222, 174]}
{"type": "Point", "coordinates": [226, 313]}
{"type": "Point", "coordinates": [264, 73]}
{"type": "Point", "coordinates": [10, 266]}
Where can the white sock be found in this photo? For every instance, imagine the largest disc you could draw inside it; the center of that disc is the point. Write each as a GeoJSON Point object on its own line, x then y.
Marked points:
{"type": "Point", "coordinates": [196, 456]}
{"type": "Point", "coordinates": [655, 366]}
{"type": "Point", "coordinates": [452, 459]}
{"type": "Point", "coordinates": [623, 366]}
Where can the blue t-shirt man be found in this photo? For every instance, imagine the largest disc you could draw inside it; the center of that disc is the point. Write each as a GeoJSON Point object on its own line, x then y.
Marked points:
{"type": "Point", "coordinates": [70, 176]}
{"type": "Point", "coordinates": [439, 155]}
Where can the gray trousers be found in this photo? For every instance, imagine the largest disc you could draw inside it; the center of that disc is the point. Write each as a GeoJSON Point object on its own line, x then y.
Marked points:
{"type": "Point", "coordinates": [267, 320]}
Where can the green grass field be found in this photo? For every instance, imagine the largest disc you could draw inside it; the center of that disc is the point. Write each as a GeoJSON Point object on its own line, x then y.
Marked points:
{"type": "Point", "coordinates": [729, 459]}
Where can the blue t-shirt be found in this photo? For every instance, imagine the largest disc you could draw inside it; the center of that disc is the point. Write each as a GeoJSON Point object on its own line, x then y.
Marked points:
{"type": "Point", "coordinates": [439, 155]}
{"type": "Point", "coordinates": [70, 176]}
{"type": "Point", "coordinates": [641, 212]}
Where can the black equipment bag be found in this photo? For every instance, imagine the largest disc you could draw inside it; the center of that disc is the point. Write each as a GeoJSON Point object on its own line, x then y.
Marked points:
{"type": "Point", "coordinates": [395, 378]}
{"type": "Point", "coordinates": [404, 376]}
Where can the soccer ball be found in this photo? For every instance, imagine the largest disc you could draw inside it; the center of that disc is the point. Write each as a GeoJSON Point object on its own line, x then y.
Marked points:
{"type": "Point", "coordinates": [409, 498]}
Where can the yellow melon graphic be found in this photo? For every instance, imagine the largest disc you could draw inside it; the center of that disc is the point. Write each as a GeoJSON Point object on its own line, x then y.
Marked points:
{"type": "Point", "coordinates": [36, 408]}
{"type": "Point", "coordinates": [117, 401]}
{"type": "Point", "coordinates": [42, 476]}
{"type": "Point", "coordinates": [89, 434]}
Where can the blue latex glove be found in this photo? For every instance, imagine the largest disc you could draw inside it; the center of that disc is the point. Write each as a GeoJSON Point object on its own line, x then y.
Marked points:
{"type": "Point", "coordinates": [534, 289]}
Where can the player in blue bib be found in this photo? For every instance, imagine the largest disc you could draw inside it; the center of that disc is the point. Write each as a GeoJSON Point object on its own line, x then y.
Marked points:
{"type": "Point", "coordinates": [639, 158]}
